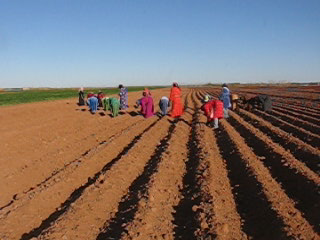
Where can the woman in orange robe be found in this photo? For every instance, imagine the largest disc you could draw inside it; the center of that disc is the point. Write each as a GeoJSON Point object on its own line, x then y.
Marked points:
{"type": "Point", "coordinates": [175, 98]}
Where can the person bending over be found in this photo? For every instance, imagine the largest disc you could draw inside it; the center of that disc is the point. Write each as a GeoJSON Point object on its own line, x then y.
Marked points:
{"type": "Point", "coordinates": [146, 103]}
{"type": "Point", "coordinates": [164, 103]}
{"type": "Point", "coordinates": [213, 110]}
{"type": "Point", "coordinates": [260, 102]}
{"type": "Point", "coordinates": [93, 104]}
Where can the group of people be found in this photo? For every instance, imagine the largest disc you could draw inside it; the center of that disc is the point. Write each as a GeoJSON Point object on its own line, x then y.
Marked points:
{"type": "Point", "coordinates": [215, 109]}
{"type": "Point", "coordinates": [94, 101]}
{"type": "Point", "coordinates": [147, 105]}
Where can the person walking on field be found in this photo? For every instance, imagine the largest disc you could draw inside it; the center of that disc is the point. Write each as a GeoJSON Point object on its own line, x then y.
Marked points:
{"type": "Point", "coordinates": [175, 98]}
{"type": "Point", "coordinates": [123, 97]}
{"type": "Point", "coordinates": [81, 97]}
{"type": "Point", "coordinates": [164, 103]}
{"type": "Point", "coordinates": [146, 103]}
{"type": "Point", "coordinates": [225, 97]}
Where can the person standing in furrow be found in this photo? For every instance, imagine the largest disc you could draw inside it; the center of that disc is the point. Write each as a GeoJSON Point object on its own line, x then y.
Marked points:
{"type": "Point", "coordinates": [123, 97]}
{"type": "Point", "coordinates": [225, 97]}
{"type": "Point", "coordinates": [81, 97]}
{"type": "Point", "coordinates": [175, 98]}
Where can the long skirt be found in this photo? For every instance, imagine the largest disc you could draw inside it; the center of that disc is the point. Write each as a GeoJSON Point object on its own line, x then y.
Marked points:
{"type": "Point", "coordinates": [114, 105]}
{"type": "Point", "coordinates": [123, 98]}
{"type": "Point", "coordinates": [81, 99]}
{"type": "Point", "coordinates": [177, 108]}
{"type": "Point", "coordinates": [106, 104]}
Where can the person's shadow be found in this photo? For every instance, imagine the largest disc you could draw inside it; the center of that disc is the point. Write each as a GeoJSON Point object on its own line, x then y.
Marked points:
{"type": "Point", "coordinates": [179, 120]}
{"type": "Point", "coordinates": [159, 114]}
{"type": "Point", "coordinates": [133, 114]}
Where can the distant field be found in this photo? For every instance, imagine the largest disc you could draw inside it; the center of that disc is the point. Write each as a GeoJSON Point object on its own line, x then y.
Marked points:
{"type": "Point", "coordinates": [39, 95]}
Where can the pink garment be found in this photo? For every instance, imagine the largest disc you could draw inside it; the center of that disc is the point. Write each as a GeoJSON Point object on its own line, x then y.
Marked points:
{"type": "Point", "coordinates": [147, 107]}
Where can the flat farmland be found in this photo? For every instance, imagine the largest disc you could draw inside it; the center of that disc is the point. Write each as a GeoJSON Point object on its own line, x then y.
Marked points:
{"type": "Point", "coordinates": [68, 174]}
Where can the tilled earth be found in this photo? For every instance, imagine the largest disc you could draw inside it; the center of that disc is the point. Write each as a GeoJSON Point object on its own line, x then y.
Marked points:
{"type": "Point", "coordinates": [68, 174]}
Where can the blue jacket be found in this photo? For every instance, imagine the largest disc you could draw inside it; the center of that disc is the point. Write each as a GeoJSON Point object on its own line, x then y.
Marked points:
{"type": "Point", "coordinates": [225, 97]}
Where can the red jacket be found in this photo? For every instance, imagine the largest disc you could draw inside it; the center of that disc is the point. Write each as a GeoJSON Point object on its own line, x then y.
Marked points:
{"type": "Point", "coordinates": [215, 107]}
{"type": "Point", "coordinates": [207, 108]}
{"type": "Point", "coordinates": [218, 108]}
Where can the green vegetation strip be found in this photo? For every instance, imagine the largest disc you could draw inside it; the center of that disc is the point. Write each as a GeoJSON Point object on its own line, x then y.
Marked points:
{"type": "Point", "coordinates": [39, 95]}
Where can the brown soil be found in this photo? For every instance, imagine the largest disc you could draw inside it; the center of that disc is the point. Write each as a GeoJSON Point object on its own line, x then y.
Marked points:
{"type": "Point", "coordinates": [68, 174]}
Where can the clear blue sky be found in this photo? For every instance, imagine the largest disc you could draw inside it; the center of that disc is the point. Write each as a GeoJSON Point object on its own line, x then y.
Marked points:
{"type": "Point", "coordinates": [73, 43]}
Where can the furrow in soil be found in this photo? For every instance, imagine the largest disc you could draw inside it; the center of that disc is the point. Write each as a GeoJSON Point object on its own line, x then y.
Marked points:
{"type": "Point", "coordinates": [298, 148]}
{"type": "Point", "coordinates": [296, 224]}
{"type": "Point", "coordinates": [300, 114]}
{"type": "Point", "coordinates": [226, 220]}
{"type": "Point", "coordinates": [193, 214]}
{"type": "Point", "coordinates": [102, 198]}
{"type": "Point", "coordinates": [153, 218]}
{"type": "Point", "coordinates": [304, 135]}
{"type": "Point", "coordinates": [298, 182]}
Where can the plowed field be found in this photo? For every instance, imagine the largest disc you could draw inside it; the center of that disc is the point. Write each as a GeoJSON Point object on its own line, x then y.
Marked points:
{"type": "Point", "coordinates": [68, 174]}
